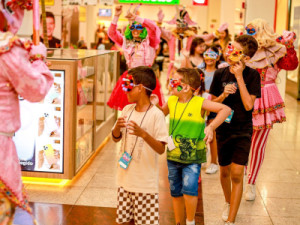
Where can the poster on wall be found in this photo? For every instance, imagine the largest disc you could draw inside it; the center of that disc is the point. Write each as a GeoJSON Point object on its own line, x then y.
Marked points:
{"type": "Point", "coordinates": [39, 141]}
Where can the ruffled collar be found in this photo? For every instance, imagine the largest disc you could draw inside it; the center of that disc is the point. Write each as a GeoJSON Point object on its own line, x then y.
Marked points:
{"type": "Point", "coordinates": [8, 40]}
{"type": "Point", "coordinates": [265, 57]}
{"type": "Point", "coordinates": [187, 33]}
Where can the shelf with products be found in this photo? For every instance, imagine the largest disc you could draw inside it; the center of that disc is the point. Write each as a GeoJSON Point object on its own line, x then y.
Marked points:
{"type": "Point", "coordinates": [78, 121]}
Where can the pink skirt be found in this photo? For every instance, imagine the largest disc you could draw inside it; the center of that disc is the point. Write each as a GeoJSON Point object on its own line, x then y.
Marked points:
{"type": "Point", "coordinates": [268, 109]}
{"type": "Point", "coordinates": [118, 98]}
{"type": "Point", "coordinates": [11, 185]}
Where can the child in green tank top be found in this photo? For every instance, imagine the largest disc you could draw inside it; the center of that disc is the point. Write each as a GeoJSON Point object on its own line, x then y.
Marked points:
{"type": "Point", "coordinates": [186, 144]}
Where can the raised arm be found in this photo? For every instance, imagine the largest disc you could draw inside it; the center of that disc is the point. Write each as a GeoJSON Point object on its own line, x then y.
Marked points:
{"type": "Point", "coordinates": [249, 93]}
{"type": "Point", "coordinates": [153, 31]}
{"type": "Point", "coordinates": [290, 60]}
{"type": "Point", "coordinates": [208, 37]}
{"type": "Point", "coordinates": [113, 33]}
{"type": "Point", "coordinates": [30, 80]}
{"type": "Point", "coordinates": [165, 34]}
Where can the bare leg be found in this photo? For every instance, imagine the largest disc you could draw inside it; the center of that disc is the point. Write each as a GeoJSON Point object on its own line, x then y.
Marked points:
{"type": "Point", "coordinates": [237, 172]}
{"type": "Point", "coordinates": [178, 205]}
{"type": "Point", "coordinates": [191, 206]}
{"type": "Point", "coordinates": [226, 182]}
{"type": "Point", "coordinates": [213, 150]}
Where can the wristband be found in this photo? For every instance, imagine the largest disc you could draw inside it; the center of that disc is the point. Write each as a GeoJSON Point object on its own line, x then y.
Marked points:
{"type": "Point", "coordinates": [39, 57]}
{"type": "Point", "coordinates": [112, 133]}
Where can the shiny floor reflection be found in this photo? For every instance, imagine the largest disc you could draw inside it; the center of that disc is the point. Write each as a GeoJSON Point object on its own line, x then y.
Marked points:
{"type": "Point", "coordinates": [74, 214]}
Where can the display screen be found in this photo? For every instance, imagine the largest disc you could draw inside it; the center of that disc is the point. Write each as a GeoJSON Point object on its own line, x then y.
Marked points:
{"type": "Point", "coordinates": [39, 141]}
{"type": "Point", "coordinates": [104, 12]}
{"type": "Point", "coordinates": [159, 2]}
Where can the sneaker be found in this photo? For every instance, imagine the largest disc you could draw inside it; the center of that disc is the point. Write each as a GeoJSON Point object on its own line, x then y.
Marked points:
{"type": "Point", "coordinates": [226, 211]}
{"type": "Point", "coordinates": [213, 168]}
{"type": "Point", "coordinates": [250, 192]}
{"type": "Point", "coordinates": [228, 223]}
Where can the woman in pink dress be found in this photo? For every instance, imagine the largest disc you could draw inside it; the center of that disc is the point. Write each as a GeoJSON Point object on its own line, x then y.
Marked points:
{"type": "Point", "coordinates": [24, 73]}
{"type": "Point", "coordinates": [269, 59]}
{"type": "Point", "coordinates": [139, 44]}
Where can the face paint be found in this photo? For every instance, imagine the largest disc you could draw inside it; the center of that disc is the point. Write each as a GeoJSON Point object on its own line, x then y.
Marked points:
{"type": "Point", "coordinates": [127, 83]}
{"type": "Point", "coordinates": [136, 27]}
{"type": "Point", "coordinates": [250, 30]}
{"type": "Point", "coordinates": [234, 54]}
{"type": "Point", "coordinates": [175, 84]}
{"type": "Point", "coordinates": [209, 54]}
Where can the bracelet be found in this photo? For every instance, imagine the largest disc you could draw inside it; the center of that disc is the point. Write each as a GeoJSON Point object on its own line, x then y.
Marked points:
{"type": "Point", "coordinates": [39, 57]}
{"type": "Point", "coordinates": [112, 133]}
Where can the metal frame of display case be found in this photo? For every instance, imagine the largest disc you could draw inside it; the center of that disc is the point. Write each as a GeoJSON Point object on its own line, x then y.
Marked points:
{"type": "Point", "coordinates": [92, 58]}
{"type": "Point", "coordinates": [292, 87]}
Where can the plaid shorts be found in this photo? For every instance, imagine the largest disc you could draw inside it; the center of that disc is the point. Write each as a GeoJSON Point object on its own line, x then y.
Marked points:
{"type": "Point", "coordinates": [141, 207]}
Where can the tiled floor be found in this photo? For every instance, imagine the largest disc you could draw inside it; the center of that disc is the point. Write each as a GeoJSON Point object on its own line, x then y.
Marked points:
{"type": "Point", "coordinates": [278, 185]}
{"type": "Point", "coordinates": [92, 197]}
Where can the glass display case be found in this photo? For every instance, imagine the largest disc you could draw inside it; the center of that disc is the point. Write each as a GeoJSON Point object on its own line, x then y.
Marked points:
{"type": "Point", "coordinates": [293, 77]}
{"type": "Point", "coordinates": [73, 120]}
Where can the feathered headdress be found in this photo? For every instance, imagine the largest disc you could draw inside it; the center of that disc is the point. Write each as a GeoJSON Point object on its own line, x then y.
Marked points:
{"type": "Point", "coordinates": [181, 18]}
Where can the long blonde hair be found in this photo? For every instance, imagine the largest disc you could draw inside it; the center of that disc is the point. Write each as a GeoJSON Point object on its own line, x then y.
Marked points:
{"type": "Point", "coordinates": [265, 35]}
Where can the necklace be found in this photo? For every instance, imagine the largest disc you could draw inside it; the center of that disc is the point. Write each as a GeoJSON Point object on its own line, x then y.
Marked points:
{"type": "Point", "coordinates": [173, 128]}
{"type": "Point", "coordinates": [140, 126]}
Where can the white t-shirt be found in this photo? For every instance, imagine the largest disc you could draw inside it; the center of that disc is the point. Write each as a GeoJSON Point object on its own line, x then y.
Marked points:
{"type": "Point", "coordinates": [142, 174]}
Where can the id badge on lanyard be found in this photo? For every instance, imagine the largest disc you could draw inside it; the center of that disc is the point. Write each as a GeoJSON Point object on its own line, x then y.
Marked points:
{"type": "Point", "coordinates": [171, 144]}
{"type": "Point", "coordinates": [125, 160]}
{"type": "Point", "coordinates": [228, 119]}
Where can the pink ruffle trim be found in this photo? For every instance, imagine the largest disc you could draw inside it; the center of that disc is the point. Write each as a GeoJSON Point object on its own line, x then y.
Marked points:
{"type": "Point", "coordinates": [268, 109]}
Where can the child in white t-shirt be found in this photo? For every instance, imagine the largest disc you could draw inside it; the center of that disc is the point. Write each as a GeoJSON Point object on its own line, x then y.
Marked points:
{"type": "Point", "coordinates": [143, 131]}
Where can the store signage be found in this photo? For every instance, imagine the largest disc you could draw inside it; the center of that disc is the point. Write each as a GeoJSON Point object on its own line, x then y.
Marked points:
{"type": "Point", "coordinates": [49, 2]}
{"type": "Point", "coordinates": [39, 141]}
{"type": "Point", "coordinates": [200, 2]}
{"type": "Point", "coordinates": [82, 14]}
{"type": "Point", "coordinates": [159, 2]}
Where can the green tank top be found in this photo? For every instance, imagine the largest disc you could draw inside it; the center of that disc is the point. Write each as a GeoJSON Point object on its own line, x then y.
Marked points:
{"type": "Point", "coordinates": [187, 130]}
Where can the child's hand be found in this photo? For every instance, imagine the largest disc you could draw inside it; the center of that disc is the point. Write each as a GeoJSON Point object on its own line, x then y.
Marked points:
{"type": "Point", "coordinates": [121, 122]}
{"type": "Point", "coordinates": [209, 134]}
{"type": "Point", "coordinates": [237, 69]}
{"type": "Point", "coordinates": [135, 129]}
{"type": "Point", "coordinates": [229, 89]}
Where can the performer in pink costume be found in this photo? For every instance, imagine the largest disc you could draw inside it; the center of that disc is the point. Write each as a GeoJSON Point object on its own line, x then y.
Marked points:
{"type": "Point", "coordinates": [24, 73]}
{"type": "Point", "coordinates": [269, 59]}
{"type": "Point", "coordinates": [139, 44]}
{"type": "Point", "coordinates": [180, 39]}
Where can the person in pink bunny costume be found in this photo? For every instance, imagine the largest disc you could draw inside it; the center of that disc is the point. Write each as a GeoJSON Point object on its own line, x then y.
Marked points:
{"type": "Point", "coordinates": [139, 43]}
{"type": "Point", "coordinates": [23, 72]}
{"type": "Point", "coordinates": [180, 39]}
{"type": "Point", "coordinates": [274, 54]}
